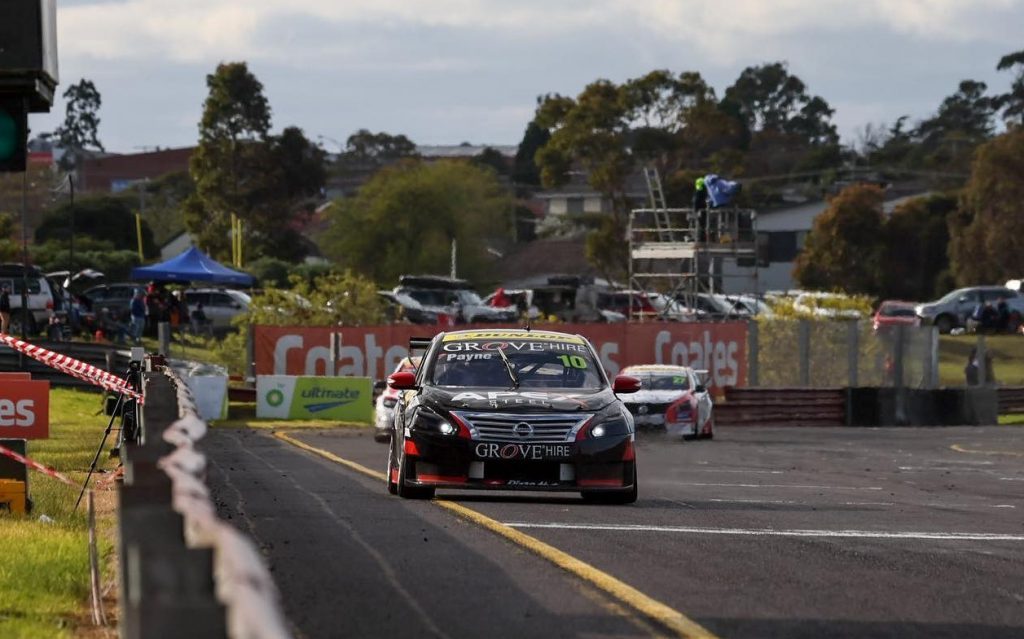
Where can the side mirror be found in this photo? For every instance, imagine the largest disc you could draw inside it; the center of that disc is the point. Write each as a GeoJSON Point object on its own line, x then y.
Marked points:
{"type": "Point", "coordinates": [625, 384]}
{"type": "Point", "coordinates": [403, 380]}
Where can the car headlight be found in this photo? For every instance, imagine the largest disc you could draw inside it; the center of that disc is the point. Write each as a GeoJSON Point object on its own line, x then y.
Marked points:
{"type": "Point", "coordinates": [607, 425]}
{"type": "Point", "coordinates": [426, 420]}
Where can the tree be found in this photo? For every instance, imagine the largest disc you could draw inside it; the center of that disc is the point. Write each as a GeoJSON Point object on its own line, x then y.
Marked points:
{"type": "Point", "coordinates": [240, 168]}
{"type": "Point", "coordinates": [987, 232]}
{"type": "Point", "coordinates": [164, 198]}
{"type": "Point", "coordinates": [844, 247]}
{"type": "Point", "coordinates": [80, 130]}
{"type": "Point", "coordinates": [915, 260]}
{"type": "Point", "coordinates": [492, 159]}
{"type": "Point", "coordinates": [1012, 102]}
{"type": "Point", "coordinates": [963, 121]}
{"type": "Point", "coordinates": [404, 219]}
{"type": "Point", "coordinates": [364, 147]}
{"type": "Point", "coordinates": [334, 299]}
{"type": "Point", "coordinates": [103, 218]}
{"type": "Point", "coordinates": [524, 168]}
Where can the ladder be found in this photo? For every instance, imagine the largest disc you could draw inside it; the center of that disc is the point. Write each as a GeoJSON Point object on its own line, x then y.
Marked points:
{"type": "Point", "coordinates": [658, 203]}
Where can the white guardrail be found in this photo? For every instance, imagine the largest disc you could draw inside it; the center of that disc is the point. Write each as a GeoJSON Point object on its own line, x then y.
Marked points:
{"type": "Point", "coordinates": [243, 583]}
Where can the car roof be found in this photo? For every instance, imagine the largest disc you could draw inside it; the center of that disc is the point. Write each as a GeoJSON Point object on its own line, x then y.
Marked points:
{"type": "Point", "coordinates": [510, 333]}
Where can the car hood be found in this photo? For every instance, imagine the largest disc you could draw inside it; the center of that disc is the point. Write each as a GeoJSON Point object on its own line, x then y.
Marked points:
{"type": "Point", "coordinates": [524, 400]}
{"type": "Point", "coordinates": [654, 396]}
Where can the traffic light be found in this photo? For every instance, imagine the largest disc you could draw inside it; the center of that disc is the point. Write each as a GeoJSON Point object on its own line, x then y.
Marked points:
{"type": "Point", "coordinates": [13, 134]}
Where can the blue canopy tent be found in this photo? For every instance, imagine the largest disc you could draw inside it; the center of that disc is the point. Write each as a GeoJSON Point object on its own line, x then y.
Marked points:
{"type": "Point", "coordinates": [192, 266]}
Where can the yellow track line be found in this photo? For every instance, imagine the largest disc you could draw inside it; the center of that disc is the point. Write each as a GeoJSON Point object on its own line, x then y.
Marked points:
{"type": "Point", "coordinates": [677, 622]}
{"type": "Point", "coordinates": [960, 449]}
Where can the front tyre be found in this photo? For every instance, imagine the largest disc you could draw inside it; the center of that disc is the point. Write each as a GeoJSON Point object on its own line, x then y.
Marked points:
{"type": "Point", "coordinates": [406, 491]}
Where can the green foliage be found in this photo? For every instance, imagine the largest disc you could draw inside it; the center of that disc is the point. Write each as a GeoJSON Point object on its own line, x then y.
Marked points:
{"type": "Point", "coordinates": [89, 253]}
{"type": "Point", "coordinates": [524, 168]}
{"type": "Point", "coordinates": [1012, 102]}
{"type": "Point", "coordinates": [366, 148]}
{"type": "Point", "coordinates": [842, 250]}
{"type": "Point", "coordinates": [915, 257]}
{"type": "Point", "coordinates": [239, 168]}
{"type": "Point", "coordinates": [270, 272]}
{"type": "Point", "coordinates": [164, 198]}
{"type": "Point", "coordinates": [606, 247]}
{"type": "Point", "coordinates": [492, 159]}
{"type": "Point", "coordinates": [404, 219]}
{"type": "Point", "coordinates": [81, 123]}
{"type": "Point", "coordinates": [105, 218]}
{"type": "Point", "coordinates": [988, 232]}
{"type": "Point", "coordinates": [964, 120]}
{"type": "Point", "coordinates": [337, 299]}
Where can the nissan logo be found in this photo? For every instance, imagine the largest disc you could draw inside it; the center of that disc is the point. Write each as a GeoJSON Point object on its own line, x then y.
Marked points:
{"type": "Point", "coordinates": [522, 429]}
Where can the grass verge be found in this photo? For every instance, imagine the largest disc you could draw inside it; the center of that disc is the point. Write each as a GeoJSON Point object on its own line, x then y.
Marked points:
{"type": "Point", "coordinates": [44, 569]}
{"type": "Point", "coordinates": [1007, 353]}
{"type": "Point", "coordinates": [243, 415]}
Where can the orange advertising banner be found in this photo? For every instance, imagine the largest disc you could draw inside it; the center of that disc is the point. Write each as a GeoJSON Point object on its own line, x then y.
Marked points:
{"type": "Point", "coordinates": [24, 409]}
{"type": "Point", "coordinates": [719, 348]}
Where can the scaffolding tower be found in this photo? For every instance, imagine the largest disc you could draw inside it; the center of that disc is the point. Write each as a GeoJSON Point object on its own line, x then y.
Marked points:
{"type": "Point", "coordinates": [682, 251]}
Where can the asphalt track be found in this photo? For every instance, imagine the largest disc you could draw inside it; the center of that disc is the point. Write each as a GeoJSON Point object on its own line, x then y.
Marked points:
{"type": "Point", "coordinates": [763, 532]}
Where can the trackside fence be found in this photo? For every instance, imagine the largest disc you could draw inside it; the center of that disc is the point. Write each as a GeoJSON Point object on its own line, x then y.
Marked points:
{"type": "Point", "coordinates": [184, 572]}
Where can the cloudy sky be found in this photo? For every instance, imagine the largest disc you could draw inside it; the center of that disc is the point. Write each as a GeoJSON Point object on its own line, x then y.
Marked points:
{"type": "Point", "coordinates": [448, 71]}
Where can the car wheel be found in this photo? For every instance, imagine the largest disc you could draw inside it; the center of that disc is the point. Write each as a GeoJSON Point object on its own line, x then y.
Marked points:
{"type": "Point", "coordinates": [410, 492]}
{"type": "Point", "coordinates": [944, 323]}
{"type": "Point", "coordinates": [618, 497]}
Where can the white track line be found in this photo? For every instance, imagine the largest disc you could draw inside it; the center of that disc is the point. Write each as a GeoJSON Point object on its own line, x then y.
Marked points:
{"type": "Point", "coordinates": [815, 487]}
{"type": "Point", "coordinates": [769, 532]}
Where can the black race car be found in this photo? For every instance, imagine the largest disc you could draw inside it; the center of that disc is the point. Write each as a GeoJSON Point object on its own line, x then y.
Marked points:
{"type": "Point", "coordinates": [512, 410]}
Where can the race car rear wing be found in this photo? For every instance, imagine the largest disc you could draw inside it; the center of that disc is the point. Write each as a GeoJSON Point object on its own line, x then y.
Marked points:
{"type": "Point", "coordinates": [419, 344]}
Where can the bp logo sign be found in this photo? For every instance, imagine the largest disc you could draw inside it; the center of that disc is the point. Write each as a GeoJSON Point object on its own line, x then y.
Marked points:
{"type": "Point", "coordinates": [275, 397]}
{"type": "Point", "coordinates": [305, 397]}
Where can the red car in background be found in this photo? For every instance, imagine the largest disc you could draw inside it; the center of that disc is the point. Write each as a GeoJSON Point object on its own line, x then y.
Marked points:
{"type": "Point", "coordinates": [895, 313]}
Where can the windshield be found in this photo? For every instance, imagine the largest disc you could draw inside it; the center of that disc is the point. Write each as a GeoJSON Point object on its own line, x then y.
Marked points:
{"type": "Point", "coordinates": [894, 310]}
{"type": "Point", "coordinates": [664, 382]}
{"type": "Point", "coordinates": [953, 296]}
{"type": "Point", "coordinates": [545, 361]}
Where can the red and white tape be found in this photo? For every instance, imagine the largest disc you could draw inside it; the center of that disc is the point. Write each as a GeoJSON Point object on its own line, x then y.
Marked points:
{"type": "Point", "coordinates": [34, 465]}
{"type": "Point", "coordinates": [74, 367]}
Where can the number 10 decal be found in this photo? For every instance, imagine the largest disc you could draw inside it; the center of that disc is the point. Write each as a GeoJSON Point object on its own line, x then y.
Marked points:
{"type": "Point", "coordinates": [573, 361]}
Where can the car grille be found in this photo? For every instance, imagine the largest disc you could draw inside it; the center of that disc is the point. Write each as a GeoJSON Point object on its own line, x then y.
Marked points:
{"type": "Point", "coordinates": [652, 409]}
{"type": "Point", "coordinates": [505, 427]}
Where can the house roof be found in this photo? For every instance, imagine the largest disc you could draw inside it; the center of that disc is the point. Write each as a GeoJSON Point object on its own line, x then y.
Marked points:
{"type": "Point", "coordinates": [549, 256]}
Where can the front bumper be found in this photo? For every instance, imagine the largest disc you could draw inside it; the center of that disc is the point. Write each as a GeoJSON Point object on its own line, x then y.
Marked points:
{"type": "Point", "coordinates": [605, 463]}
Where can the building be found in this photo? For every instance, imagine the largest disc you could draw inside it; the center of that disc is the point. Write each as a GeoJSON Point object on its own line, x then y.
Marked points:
{"type": "Point", "coordinates": [116, 172]}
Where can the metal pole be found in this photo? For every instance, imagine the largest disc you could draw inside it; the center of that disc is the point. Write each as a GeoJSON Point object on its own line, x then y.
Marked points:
{"type": "Point", "coordinates": [852, 351]}
{"type": "Point", "coordinates": [454, 252]}
{"type": "Point", "coordinates": [24, 256]}
{"type": "Point", "coordinates": [752, 353]}
{"type": "Point", "coordinates": [982, 361]}
{"type": "Point", "coordinates": [71, 237]}
{"type": "Point", "coordinates": [933, 357]}
{"type": "Point", "coordinates": [804, 340]}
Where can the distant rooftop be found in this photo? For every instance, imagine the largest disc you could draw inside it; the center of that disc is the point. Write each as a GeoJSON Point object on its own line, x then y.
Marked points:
{"type": "Point", "coordinates": [464, 150]}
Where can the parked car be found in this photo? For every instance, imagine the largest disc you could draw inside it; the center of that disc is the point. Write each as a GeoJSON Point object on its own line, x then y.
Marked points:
{"type": "Point", "coordinates": [754, 305]}
{"type": "Point", "coordinates": [384, 406]}
{"type": "Point", "coordinates": [719, 307]}
{"type": "Point", "coordinates": [567, 298]}
{"type": "Point", "coordinates": [895, 313]}
{"type": "Point", "coordinates": [40, 297]}
{"type": "Point", "coordinates": [400, 306]}
{"type": "Point", "coordinates": [952, 310]}
{"type": "Point", "coordinates": [673, 399]}
{"type": "Point", "coordinates": [452, 297]}
{"type": "Point", "coordinates": [220, 305]}
{"type": "Point", "coordinates": [647, 305]}
{"type": "Point", "coordinates": [116, 298]}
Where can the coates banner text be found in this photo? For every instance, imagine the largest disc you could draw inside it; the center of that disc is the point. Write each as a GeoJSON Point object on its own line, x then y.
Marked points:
{"type": "Point", "coordinates": [24, 409]}
{"type": "Point", "coordinates": [719, 348]}
{"type": "Point", "coordinates": [347, 399]}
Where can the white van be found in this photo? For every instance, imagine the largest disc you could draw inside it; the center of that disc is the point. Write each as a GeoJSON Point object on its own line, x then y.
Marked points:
{"type": "Point", "coordinates": [40, 297]}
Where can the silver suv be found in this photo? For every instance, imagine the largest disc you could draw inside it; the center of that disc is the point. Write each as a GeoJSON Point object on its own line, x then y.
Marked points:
{"type": "Point", "coordinates": [40, 297]}
{"type": "Point", "coordinates": [953, 309]}
{"type": "Point", "coordinates": [220, 305]}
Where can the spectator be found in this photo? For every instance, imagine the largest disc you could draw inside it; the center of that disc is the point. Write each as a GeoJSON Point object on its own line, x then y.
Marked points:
{"type": "Point", "coordinates": [200, 324]}
{"type": "Point", "coordinates": [989, 318]}
{"type": "Point", "coordinates": [5, 309]}
{"type": "Point", "coordinates": [110, 327]}
{"type": "Point", "coordinates": [138, 316]}
{"type": "Point", "coordinates": [972, 373]}
{"type": "Point", "coordinates": [1003, 315]}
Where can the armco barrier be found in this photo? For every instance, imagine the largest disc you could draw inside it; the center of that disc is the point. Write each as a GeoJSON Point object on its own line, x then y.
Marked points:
{"type": "Point", "coordinates": [782, 407]}
{"type": "Point", "coordinates": [184, 573]}
{"type": "Point", "coordinates": [861, 406]}
{"type": "Point", "coordinates": [1011, 399]}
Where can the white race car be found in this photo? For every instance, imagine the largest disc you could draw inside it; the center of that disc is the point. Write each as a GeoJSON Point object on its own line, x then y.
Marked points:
{"type": "Point", "coordinates": [384, 408]}
{"type": "Point", "coordinates": [673, 399]}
